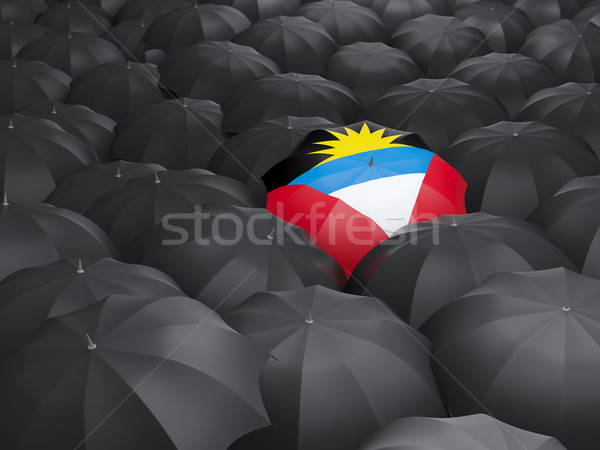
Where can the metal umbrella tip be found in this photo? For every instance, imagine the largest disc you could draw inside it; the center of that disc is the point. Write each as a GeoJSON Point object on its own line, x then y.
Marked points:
{"type": "Point", "coordinates": [91, 345]}
{"type": "Point", "coordinates": [156, 178]}
{"type": "Point", "coordinates": [309, 320]}
{"type": "Point", "coordinates": [69, 35]}
{"type": "Point", "coordinates": [12, 22]}
{"type": "Point", "coordinates": [54, 108]}
{"type": "Point", "coordinates": [567, 306]}
{"type": "Point", "coordinates": [271, 235]}
{"type": "Point", "coordinates": [118, 174]}
{"type": "Point", "coordinates": [14, 64]}
{"type": "Point", "coordinates": [371, 163]}
{"type": "Point", "coordinates": [80, 266]}
{"type": "Point", "coordinates": [5, 199]}
{"type": "Point", "coordinates": [229, 46]}
{"type": "Point", "coordinates": [129, 64]}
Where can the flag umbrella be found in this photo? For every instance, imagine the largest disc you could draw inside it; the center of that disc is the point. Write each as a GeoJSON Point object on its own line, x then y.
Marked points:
{"type": "Point", "coordinates": [474, 432]}
{"type": "Point", "coordinates": [75, 17]}
{"type": "Point", "coordinates": [293, 94]}
{"type": "Point", "coordinates": [14, 34]}
{"type": "Point", "coordinates": [511, 76]}
{"type": "Point", "coordinates": [430, 264]}
{"type": "Point", "coordinates": [358, 185]}
{"type": "Point", "coordinates": [22, 9]}
{"type": "Point", "coordinates": [148, 9]}
{"type": "Point", "coordinates": [296, 44]}
{"type": "Point", "coordinates": [127, 37]}
{"type": "Point", "coordinates": [30, 296]}
{"type": "Point", "coordinates": [393, 12]}
{"type": "Point", "coordinates": [262, 9]}
{"type": "Point", "coordinates": [341, 366]}
{"type": "Point", "coordinates": [213, 69]}
{"type": "Point", "coordinates": [549, 11]}
{"type": "Point", "coordinates": [176, 133]}
{"type": "Point", "coordinates": [511, 167]}
{"type": "Point", "coordinates": [439, 43]}
{"type": "Point", "coordinates": [369, 68]}
{"type": "Point", "coordinates": [534, 338]}
{"type": "Point", "coordinates": [221, 254]}
{"type": "Point", "coordinates": [438, 110]}
{"type": "Point", "coordinates": [103, 377]}
{"type": "Point", "coordinates": [25, 83]}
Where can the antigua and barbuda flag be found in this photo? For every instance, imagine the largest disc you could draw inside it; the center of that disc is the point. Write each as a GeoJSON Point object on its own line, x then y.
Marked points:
{"type": "Point", "coordinates": [361, 184]}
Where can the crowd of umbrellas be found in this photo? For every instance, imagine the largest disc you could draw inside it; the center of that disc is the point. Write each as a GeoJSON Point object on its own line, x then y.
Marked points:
{"type": "Point", "coordinates": [120, 329]}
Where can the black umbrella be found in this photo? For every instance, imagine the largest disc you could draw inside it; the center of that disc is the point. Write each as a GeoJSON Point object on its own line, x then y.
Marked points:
{"type": "Point", "coordinates": [296, 44]}
{"type": "Point", "coordinates": [127, 36]}
{"type": "Point", "coordinates": [524, 346]}
{"type": "Point", "coordinates": [430, 264]}
{"type": "Point", "coordinates": [438, 110]}
{"type": "Point", "coordinates": [589, 13]}
{"type": "Point", "coordinates": [291, 94]}
{"type": "Point", "coordinates": [111, 7]}
{"type": "Point", "coordinates": [75, 17]}
{"type": "Point", "coordinates": [221, 254]}
{"type": "Point", "coordinates": [394, 12]}
{"type": "Point", "coordinates": [475, 432]}
{"type": "Point", "coordinates": [148, 10]}
{"type": "Point", "coordinates": [548, 11]}
{"type": "Point", "coordinates": [15, 34]}
{"type": "Point", "coordinates": [132, 372]}
{"type": "Point", "coordinates": [31, 296]}
{"type": "Point", "coordinates": [511, 76]}
{"type": "Point", "coordinates": [262, 9]}
{"type": "Point", "coordinates": [127, 212]}
{"type": "Point", "coordinates": [116, 90]}
{"type": "Point", "coordinates": [25, 83]}
{"type": "Point", "coordinates": [341, 366]}
{"type": "Point", "coordinates": [369, 68]}
{"type": "Point", "coordinates": [571, 49]}
{"type": "Point", "coordinates": [439, 43]}
{"type": "Point", "coordinates": [511, 167]}
{"type": "Point", "coordinates": [573, 106]}
{"type": "Point", "coordinates": [212, 70]}
{"type": "Point", "coordinates": [78, 191]}
{"type": "Point", "coordinates": [22, 9]}
{"type": "Point", "coordinates": [73, 53]}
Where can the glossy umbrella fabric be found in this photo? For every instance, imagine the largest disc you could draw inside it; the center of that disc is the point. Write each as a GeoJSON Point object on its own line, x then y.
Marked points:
{"type": "Point", "coordinates": [393, 12]}
{"type": "Point", "coordinates": [221, 254]}
{"type": "Point", "coordinates": [75, 17]}
{"type": "Point", "coordinates": [65, 390]}
{"type": "Point", "coordinates": [474, 432]}
{"type": "Point", "coordinates": [534, 338]}
{"type": "Point", "coordinates": [549, 11]}
{"type": "Point", "coordinates": [341, 366]}
{"type": "Point", "coordinates": [437, 110]}
{"type": "Point", "coordinates": [14, 34]}
{"type": "Point", "coordinates": [22, 9]}
{"type": "Point", "coordinates": [512, 167]}
{"type": "Point", "coordinates": [430, 264]}
{"type": "Point", "coordinates": [262, 9]}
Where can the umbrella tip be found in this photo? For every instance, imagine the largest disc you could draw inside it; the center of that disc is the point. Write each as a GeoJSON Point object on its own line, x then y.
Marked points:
{"type": "Point", "coordinates": [12, 22]}
{"type": "Point", "coordinates": [156, 178]}
{"type": "Point", "coordinates": [54, 108]}
{"type": "Point", "coordinates": [14, 64]}
{"type": "Point", "coordinates": [10, 124]}
{"type": "Point", "coordinates": [371, 163]}
{"type": "Point", "coordinates": [5, 199]}
{"type": "Point", "coordinates": [589, 92]}
{"type": "Point", "coordinates": [185, 104]}
{"type": "Point", "coordinates": [271, 235]}
{"type": "Point", "coordinates": [567, 306]}
{"type": "Point", "coordinates": [70, 35]}
{"type": "Point", "coordinates": [445, 29]}
{"type": "Point", "coordinates": [453, 224]}
{"type": "Point", "coordinates": [118, 174]}
{"type": "Point", "coordinates": [91, 345]}
{"type": "Point", "coordinates": [309, 320]}
{"type": "Point", "coordinates": [80, 266]}
{"type": "Point", "coordinates": [229, 47]}
{"type": "Point", "coordinates": [370, 51]}
{"type": "Point", "coordinates": [129, 64]}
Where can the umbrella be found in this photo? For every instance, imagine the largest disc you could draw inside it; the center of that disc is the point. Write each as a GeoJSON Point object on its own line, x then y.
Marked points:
{"type": "Point", "coordinates": [439, 43]}
{"type": "Point", "coordinates": [512, 76]}
{"type": "Point", "coordinates": [438, 110]}
{"type": "Point", "coordinates": [15, 34]}
{"type": "Point", "coordinates": [394, 12]}
{"type": "Point", "coordinates": [573, 106]}
{"type": "Point", "coordinates": [549, 11]}
{"type": "Point", "coordinates": [148, 9]}
{"type": "Point", "coordinates": [35, 155]}
{"type": "Point", "coordinates": [191, 24]}
{"type": "Point", "coordinates": [92, 128]}
{"type": "Point", "coordinates": [570, 218]}
{"type": "Point", "coordinates": [341, 366]}
{"type": "Point", "coordinates": [212, 70]}
{"type": "Point", "coordinates": [178, 133]}
{"type": "Point", "coordinates": [296, 44]}
{"type": "Point", "coordinates": [221, 254]}
{"type": "Point", "coordinates": [103, 377]}
{"type": "Point", "coordinates": [345, 21]}
{"type": "Point", "coordinates": [30, 296]}
{"type": "Point", "coordinates": [78, 191]}
{"type": "Point", "coordinates": [475, 432]}
{"type": "Point", "coordinates": [127, 37]}
{"type": "Point", "coordinates": [21, 9]}
{"type": "Point", "coordinates": [534, 338]}
{"type": "Point", "coordinates": [70, 52]}
{"type": "Point", "coordinates": [110, 7]}
{"type": "Point", "coordinates": [116, 90]}
{"type": "Point", "coordinates": [127, 212]}
{"type": "Point", "coordinates": [369, 68]}
{"type": "Point", "coordinates": [75, 17]}
{"type": "Point", "coordinates": [262, 9]}
{"type": "Point", "coordinates": [25, 83]}
{"type": "Point", "coordinates": [430, 264]}
{"type": "Point", "coordinates": [511, 167]}
{"type": "Point", "coordinates": [293, 94]}
{"type": "Point", "coordinates": [571, 49]}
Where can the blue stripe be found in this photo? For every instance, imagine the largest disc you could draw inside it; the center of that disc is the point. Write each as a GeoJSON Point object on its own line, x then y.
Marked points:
{"type": "Point", "coordinates": [350, 170]}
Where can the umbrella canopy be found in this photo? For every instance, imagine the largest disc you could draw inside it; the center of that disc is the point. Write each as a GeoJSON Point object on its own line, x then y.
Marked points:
{"type": "Point", "coordinates": [511, 167]}
{"type": "Point", "coordinates": [542, 371]}
{"type": "Point", "coordinates": [178, 133]}
{"type": "Point", "coordinates": [262, 9]}
{"type": "Point", "coordinates": [14, 34]}
{"type": "Point", "coordinates": [573, 106]}
{"type": "Point", "coordinates": [369, 68]}
{"type": "Point", "coordinates": [103, 377]}
{"type": "Point", "coordinates": [75, 17]}
{"type": "Point", "coordinates": [22, 9]}
{"type": "Point", "coordinates": [73, 53]}
{"type": "Point", "coordinates": [31, 296]}
{"type": "Point", "coordinates": [111, 7]}
{"type": "Point", "coordinates": [438, 110]}
{"type": "Point", "coordinates": [430, 264]}
{"type": "Point", "coordinates": [296, 44]}
{"type": "Point", "coordinates": [148, 10]}
{"type": "Point", "coordinates": [589, 13]}
{"type": "Point", "coordinates": [341, 366]}
{"type": "Point", "coordinates": [549, 11]}
{"type": "Point", "coordinates": [25, 83]}
{"type": "Point", "coordinates": [291, 94]}
{"type": "Point", "coordinates": [213, 69]}
{"type": "Point", "coordinates": [475, 432]}
{"type": "Point", "coordinates": [127, 36]}
{"type": "Point", "coordinates": [393, 12]}
{"type": "Point", "coordinates": [571, 49]}
{"type": "Point", "coordinates": [116, 90]}
{"type": "Point", "coordinates": [512, 76]}
{"type": "Point", "coordinates": [221, 254]}
{"type": "Point", "coordinates": [439, 43]}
